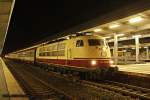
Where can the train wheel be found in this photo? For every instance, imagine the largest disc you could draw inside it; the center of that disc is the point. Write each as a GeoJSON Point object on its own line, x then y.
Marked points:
{"type": "Point", "coordinates": [113, 69]}
{"type": "Point", "coordinates": [82, 76]}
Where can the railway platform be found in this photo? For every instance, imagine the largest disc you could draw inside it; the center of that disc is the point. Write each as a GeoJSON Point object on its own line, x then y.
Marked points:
{"type": "Point", "coordinates": [143, 68]}
{"type": "Point", "coordinates": [9, 88]}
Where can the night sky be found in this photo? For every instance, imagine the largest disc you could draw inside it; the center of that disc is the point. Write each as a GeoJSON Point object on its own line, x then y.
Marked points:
{"type": "Point", "coordinates": [34, 20]}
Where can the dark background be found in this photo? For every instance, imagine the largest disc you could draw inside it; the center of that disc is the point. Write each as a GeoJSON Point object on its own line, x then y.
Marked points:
{"type": "Point", "coordinates": [34, 20]}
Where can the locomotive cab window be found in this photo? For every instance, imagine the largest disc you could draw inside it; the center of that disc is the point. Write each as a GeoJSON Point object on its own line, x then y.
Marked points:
{"type": "Point", "coordinates": [79, 43]}
{"type": "Point", "coordinates": [95, 42]}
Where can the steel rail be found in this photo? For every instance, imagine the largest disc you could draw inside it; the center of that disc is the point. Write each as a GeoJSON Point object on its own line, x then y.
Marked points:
{"type": "Point", "coordinates": [125, 89]}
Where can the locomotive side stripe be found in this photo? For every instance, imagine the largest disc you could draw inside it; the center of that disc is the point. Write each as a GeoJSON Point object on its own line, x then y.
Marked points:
{"type": "Point", "coordinates": [55, 57]}
{"type": "Point", "coordinates": [94, 58]}
{"type": "Point", "coordinates": [77, 63]}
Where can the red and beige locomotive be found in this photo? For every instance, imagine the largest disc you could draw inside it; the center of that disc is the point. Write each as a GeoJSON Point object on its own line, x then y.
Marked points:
{"type": "Point", "coordinates": [86, 52]}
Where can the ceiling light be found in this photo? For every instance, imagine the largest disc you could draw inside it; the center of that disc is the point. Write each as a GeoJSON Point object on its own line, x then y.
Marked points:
{"type": "Point", "coordinates": [107, 37]}
{"type": "Point", "coordinates": [135, 19]}
{"type": "Point", "coordinates": [97, 30]}
{"type": "Point", "coordinates": [114, 26]}
{"type": "Point", "coordinates": [136, 36]}
{"type": "Point", "coordinates": [120, 34]}
{"type": "Point", "coordinates": [123, 38]}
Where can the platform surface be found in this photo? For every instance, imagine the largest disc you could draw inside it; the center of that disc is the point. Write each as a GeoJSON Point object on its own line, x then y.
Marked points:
{"type": "Point", "coordinates": [9, 88]}
{"type": "Point", "coordinates": [137, 68]}
{"type": "Point", "coordinates": [3, 86]}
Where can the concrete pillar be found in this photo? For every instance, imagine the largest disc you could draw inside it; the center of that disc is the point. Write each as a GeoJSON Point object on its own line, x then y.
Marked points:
{"type": "Point", "coordinates": [147, 53]}
{"type": "Point", "coordinates": [115, 49]}
{"type": "Point", "coordinates": [137, 48]}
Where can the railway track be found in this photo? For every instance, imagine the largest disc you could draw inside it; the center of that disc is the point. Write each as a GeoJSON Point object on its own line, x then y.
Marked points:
{"type": "Point", "coordinates": [40, 85]}
{"type": "Point", "coordinates": [71, 91]}
{"type": "Point", "coordinates": [35, 88]}
{"type": "Point", "coordinates": [125, 89]}
{"type": "Point", "coordinates": [138, 93]}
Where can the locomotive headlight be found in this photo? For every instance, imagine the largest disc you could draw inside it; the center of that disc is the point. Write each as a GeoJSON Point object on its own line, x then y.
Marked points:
{"type": "Point", "coordinates": [93, 62]}
{"type": "Point", "coordinates": [111, 62]}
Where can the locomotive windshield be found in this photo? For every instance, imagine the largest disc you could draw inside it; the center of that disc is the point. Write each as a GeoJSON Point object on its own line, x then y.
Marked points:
{"type": "Point", "coordinates": [95, 42]}
{"type": "Point", "coordinates": [79, 43]}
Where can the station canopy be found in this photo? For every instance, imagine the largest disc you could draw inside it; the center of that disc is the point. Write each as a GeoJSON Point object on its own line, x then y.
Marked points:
{"type": "Point", "coordinates": [137, 24]}
{"type": "Point", "coordinates": [6, 7]}
{"type": "Point", "coordinates": [127, 21]}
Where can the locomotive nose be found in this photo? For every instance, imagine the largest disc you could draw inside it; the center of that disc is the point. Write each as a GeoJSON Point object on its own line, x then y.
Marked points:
{"type": "Point", "coordinates": [103, 51]}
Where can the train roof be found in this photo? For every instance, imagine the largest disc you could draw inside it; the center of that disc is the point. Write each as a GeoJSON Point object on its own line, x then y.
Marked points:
{"type": "Point", "coordinates": [72, 36]}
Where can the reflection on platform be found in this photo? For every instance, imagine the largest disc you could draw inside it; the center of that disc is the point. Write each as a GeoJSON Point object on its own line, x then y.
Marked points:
{"type": "Point", "coordinates": [136, 68]}
{"type": "Point", "coordinates": [9, 87]}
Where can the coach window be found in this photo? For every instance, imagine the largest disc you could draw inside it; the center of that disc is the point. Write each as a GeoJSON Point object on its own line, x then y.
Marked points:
{"type": "Point", "coordinates": [79, 43]}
